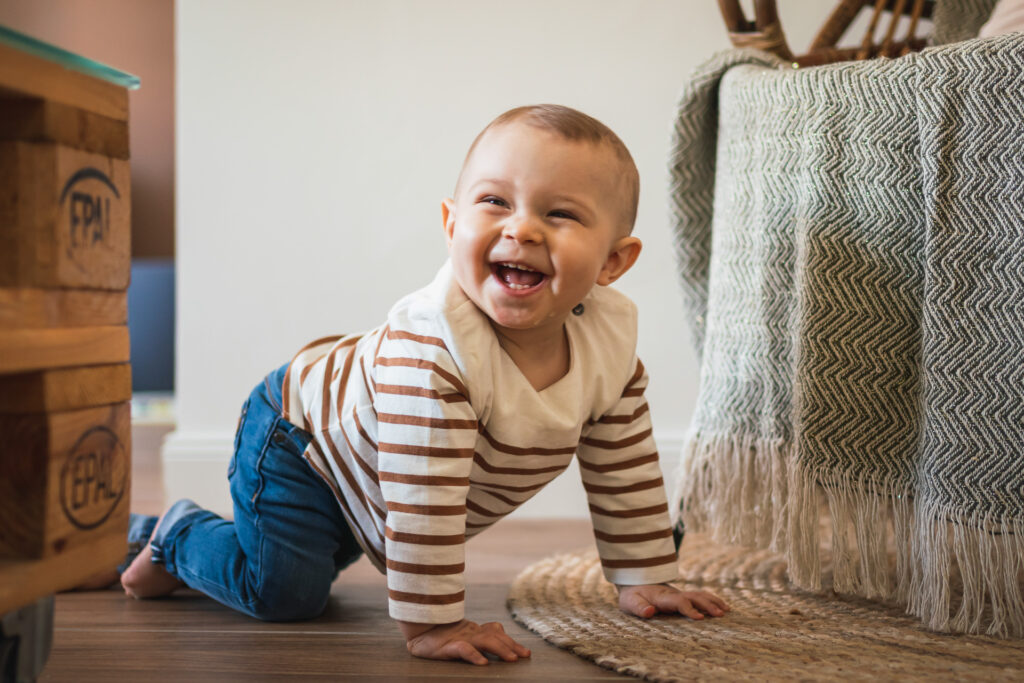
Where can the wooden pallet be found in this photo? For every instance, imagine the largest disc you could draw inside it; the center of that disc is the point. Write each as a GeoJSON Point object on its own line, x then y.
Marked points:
{"type": "Point", "coordinates": [65, 374]}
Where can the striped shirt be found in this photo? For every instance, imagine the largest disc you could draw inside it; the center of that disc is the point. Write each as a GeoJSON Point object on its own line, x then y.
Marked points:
{"type": "Point", "coordinates": [428, 433]}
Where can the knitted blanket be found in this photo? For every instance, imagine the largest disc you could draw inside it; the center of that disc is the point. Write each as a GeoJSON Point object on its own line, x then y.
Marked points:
{"type": "Point", "coordinates": [851, 246]}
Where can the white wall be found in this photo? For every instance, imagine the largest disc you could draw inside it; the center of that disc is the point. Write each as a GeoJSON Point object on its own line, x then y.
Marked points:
{"type": "Point", "coordinates": [316, 139]}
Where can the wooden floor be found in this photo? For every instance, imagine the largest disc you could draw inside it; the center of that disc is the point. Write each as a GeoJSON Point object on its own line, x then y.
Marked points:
{"type": "Point", "coordinates": [103, 635]}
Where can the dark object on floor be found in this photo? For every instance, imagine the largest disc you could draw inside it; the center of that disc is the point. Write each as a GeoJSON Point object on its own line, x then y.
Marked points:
{"type": "Point", "coordinates": [26, 635]}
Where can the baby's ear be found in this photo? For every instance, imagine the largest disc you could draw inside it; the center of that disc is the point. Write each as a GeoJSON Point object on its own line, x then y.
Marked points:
{"type": "Point", "coordinates": [448, 218]}
{"type": "Point", "coordinates": [623, 255]}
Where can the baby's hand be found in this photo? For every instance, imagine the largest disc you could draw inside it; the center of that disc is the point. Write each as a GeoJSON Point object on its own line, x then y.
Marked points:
{"type": "Point", "coordinates": [463, 640]}
{"type": "Point", "coordinates": [646, 601]}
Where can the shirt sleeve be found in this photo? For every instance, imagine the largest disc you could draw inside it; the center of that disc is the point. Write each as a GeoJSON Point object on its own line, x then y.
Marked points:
{"type": "Point", "coordinates": [427, 431]}
{"type": "Point", "coordinates": [619, 466]}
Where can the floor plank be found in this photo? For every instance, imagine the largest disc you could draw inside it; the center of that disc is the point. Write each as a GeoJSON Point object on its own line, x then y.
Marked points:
{"type": "Point", "coordinates": [189, 637]}
{"type": "Point", "coordinates": [101, 635]}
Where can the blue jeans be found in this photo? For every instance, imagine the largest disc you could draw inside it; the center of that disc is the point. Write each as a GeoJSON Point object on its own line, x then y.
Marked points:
{"type": "Point", "coordinates": [288, 541]}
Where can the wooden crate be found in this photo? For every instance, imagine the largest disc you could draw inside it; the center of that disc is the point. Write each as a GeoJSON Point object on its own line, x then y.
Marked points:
{"type": "Point", "coordinates": [31, 119]}
{"type": "Point", "coordinates": [23, 350]}
{"type": "Point", "coordinates": [65, 478]}
{"type": "Point", "coordinates": [65, 378]}
{"type": "Point", "coordinates": [23, 581]}
{"type": "Point", "coordinates": [69, 482]}
{"type": "Point", "coordinates": [31, 308]}
{"type": "Point", "coordinates": [61, 389]}
{"type": "Point", "coordinates": [65, 217]}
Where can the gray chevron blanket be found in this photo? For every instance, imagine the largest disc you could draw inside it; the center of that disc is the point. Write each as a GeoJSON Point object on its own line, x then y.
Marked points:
{"type": "Point", "coordinates": [850, 240]}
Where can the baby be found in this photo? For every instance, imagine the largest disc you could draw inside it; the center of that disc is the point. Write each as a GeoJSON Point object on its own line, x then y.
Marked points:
{"type": "Point", "coordinates": [404, 442]}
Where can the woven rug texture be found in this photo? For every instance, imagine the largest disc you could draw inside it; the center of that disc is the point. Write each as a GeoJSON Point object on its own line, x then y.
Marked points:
{"type": "Point", "coordinates": [850, 241]}
{"type": "Point", "coordinates": [773, 633]}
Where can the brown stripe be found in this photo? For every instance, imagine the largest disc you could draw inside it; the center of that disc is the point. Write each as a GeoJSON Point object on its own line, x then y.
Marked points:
{"type": "Point", "coordinates": [433, 422]}
{"type": "Point", "coordinates": [339, 400]}
{"type": "Point", "coordinates": [322, 340]}
{"type": "Point", "coordinates": [438, 510]}
{"type": "Point", "coordinates": [481, 510]}
{"type": "Point", "coordinates": [498, 496]}
{"type": "Point", "coordinates": [363, 465]}
{"type": "Point", "coordinates": [424, 539]}
{"type": "Point", "coordinates": [616, 466]}
{"type": "Point", "coordinates": [325, 402]}
{"type": "Point", "coordinates": [506, 487]}
{"type": "Point", "coordinates": [637, 512]}
{"type": "Point", "coordinates": [632, 538]}
{"type": "Point", "coordinates": [403, 390]}
{"type": "Point", "coordinates": [422, 599]}
{"type": "Point", "coordinates": [633, 393]}
{"type": "Point", "coordinates": [305, 371]}
{"type": "Point", "coordinates": [621, 443]}
{"type": "Point", "coordinates": [366, 380]}
{"type": "Point", "coordinates": [343, 382]}
{"type": "Point", "coordinates": [285, 402]}
{"type": "Point", "coordinates": [422, 339]}
{"type": "Point", "coordinates": [633, 564]}
{"type": "Point", "coordinates": [359, 428]}
{"type": "Point", "coordinates": [515, 450]}
{"type": "Point", "coordinates": [424, 364]}
{"type": "Point", "coordinates": [345, 472]}
{"type": "Point", "coordinates": [478, 525]}
{"type": "Point", "coordinates": [426, 569]}
{"type": "Point", "coordinates": [639, 486]}
{"type": "Point", "coordinates": [429, 451]}
{"type": "Point", "coordinates": [521, 471]}
{"type": "Point", "coordinates": [344, 503]}
{"type": "Point", "coordinates": [625, 419]}
{"type": "Point", "coordinates": [380, 340]}
{"type": "Point", "coordinates": [423, 479]}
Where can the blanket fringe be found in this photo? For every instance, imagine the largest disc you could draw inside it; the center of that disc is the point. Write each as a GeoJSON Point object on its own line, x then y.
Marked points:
{"type": "Point", "coordinates": [883, 544]}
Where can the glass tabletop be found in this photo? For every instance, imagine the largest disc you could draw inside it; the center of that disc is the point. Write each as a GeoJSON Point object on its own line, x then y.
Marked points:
{"type": "Point", "coordinates": [67, 59]}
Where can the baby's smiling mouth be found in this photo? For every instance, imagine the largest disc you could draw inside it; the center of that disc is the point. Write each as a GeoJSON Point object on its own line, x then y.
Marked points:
{"type": "Point", "coordinates": [517, 276]}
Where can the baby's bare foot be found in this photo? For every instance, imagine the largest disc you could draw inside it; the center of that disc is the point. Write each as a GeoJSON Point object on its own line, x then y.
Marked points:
{"type": "Point", "coordinates": [144, 579]}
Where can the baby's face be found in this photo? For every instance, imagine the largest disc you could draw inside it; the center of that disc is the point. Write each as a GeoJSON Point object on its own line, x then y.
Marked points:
{"type": "Point", "coordinates": [533, 223]}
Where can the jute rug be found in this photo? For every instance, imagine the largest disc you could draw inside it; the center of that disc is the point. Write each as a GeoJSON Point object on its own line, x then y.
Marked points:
{"type": "Point", "coordinates": [774, 632]}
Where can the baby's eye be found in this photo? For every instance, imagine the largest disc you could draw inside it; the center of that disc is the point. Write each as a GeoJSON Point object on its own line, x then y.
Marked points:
{"type": "Point", "coordinates": [562, 213]}
{"type": "Point", "coordinates": [491, 199]}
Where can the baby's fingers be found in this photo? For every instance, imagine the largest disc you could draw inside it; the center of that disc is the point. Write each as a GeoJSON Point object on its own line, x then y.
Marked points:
{"type": "Point", "coordinates": [706, 605]}
{"type": "Point", "coordinates": [677, 602]}
{"type": "Point", "coordinates": [461, 649]}
{"type": "Point", "coordinates": [519, 650]}
{"type": "Point", "coordinates": [707, 600]}
{"type": "Point", "coordinates": [499, 644]}
{"type": "Point", "coordinates": [498, 631]}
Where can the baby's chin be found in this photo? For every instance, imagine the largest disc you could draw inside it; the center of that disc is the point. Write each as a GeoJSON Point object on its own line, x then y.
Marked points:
{"type": "Point", "coordinates": [527, 322]}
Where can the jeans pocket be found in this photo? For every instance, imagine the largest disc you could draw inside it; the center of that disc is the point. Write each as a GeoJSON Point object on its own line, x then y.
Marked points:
{"type": "Point", "coordinates": [281, 439]}
{"type": "Point", "coordinates": [238, 438]}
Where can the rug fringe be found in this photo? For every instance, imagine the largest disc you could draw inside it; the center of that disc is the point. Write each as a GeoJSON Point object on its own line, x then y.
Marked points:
{"type": "Point", "coordinates": [748, 492]}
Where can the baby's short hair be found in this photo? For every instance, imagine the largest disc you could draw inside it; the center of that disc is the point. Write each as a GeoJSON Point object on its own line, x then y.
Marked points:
{"type": "Point", "coordinates": [575, 126]}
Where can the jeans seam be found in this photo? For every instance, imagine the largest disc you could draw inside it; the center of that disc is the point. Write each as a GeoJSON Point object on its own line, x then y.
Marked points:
{"type": "Point", "coordinates": [196, 581]}
{"type": "Point", "coordinates": [258, 518]}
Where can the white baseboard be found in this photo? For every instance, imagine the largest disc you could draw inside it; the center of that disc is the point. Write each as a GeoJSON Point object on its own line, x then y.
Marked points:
{"type": "Point", "coordinates": [195, 466]}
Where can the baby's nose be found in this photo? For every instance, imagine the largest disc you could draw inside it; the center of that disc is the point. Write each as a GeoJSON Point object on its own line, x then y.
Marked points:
{"type": "Point", "coordinates": [524, 229]}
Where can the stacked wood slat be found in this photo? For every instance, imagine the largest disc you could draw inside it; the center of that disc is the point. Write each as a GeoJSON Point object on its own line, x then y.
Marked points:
{"type": "Point", "coordinates": [65, 374]}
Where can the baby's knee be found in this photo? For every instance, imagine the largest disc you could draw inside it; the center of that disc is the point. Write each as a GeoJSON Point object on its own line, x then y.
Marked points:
{"type": "Point", "coordinates": [291, 601]}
